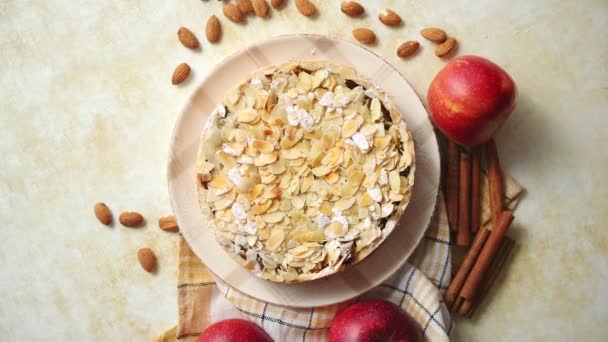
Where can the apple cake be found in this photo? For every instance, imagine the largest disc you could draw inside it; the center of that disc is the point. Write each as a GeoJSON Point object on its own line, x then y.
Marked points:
{"type": "Point", "coordinates": [303, 170]}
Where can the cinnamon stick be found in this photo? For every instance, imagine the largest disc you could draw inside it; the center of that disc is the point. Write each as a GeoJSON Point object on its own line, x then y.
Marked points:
{"type": "Point", "coordinates": [495, 271]}
{"type": "Point", "coordinates": [459, 279]}
{"type": "Point", "coordinates": [463, 237]}
{"type": "Point", "coordinates": [467, 308]}
{"type": "Point", "coordinates": [475, 179]}
{"type": "Point", "coordinates": [458, 304]}
{"type": "Point", "coordinates": [488, 252]}
{"type": "Point", "coordinates": [496, 182]}
{"type": "Point", "coordinates": [451, 184]}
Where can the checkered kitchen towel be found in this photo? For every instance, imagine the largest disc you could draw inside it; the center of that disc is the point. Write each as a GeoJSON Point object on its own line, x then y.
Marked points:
{"type": "Point", "coordinates": [417, 287]}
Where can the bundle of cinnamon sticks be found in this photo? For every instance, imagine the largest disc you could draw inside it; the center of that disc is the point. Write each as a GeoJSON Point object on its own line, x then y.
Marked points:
{"type": "Point", "coordinates": [489, 249]}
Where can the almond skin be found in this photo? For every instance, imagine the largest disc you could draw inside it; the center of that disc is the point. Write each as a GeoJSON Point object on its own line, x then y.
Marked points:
{"type": "Point", "coordinates": [245, 6]}
{"type": "Point", "coordinates": [131, 219]}
{"type": "Point", "coordinates": [306, 7]}
{"type": "Point", "coordinates": [408, 48]}
{"type": "Point", "coordinates": [180, 74]}
{"type": "Point", "coordinates": [213, 30]}
{"type": "Point", "coordinates": [352, 8]}
{"type": "Point", "coordinates": [260, 7]}
{"type": "Point", "coordinates": [277, 3]}
{"type": "Point", "coordinates": [389, 17]}
{"type": "Point", "coordinates": [446, 47]}
{"type": "Point", "coordinates": [364, 35]}
{"type": "Point", "coordinates": [103, 213]}
{"type": "Point", "coordinates": [147, 259]}
{"type": "Point", "coordinates": [168, 224]}
{"type": "Point", "coordinates": [187, 38]}
{"type": "Point", "coordinates": [434, 34]}
{"type": "Point", "coordinates": [233, 13]}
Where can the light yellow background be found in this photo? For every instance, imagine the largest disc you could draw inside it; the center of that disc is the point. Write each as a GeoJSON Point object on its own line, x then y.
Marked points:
{"type": "Point", "coordinates": [87, 108]}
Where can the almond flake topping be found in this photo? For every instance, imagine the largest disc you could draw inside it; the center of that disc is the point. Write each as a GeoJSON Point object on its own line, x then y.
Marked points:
{"type": "Point", "coordinates": [304, 170]}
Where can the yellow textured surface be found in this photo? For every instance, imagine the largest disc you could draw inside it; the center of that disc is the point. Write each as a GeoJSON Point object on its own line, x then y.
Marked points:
{"type": "Point", "coordinates": [87, 109]}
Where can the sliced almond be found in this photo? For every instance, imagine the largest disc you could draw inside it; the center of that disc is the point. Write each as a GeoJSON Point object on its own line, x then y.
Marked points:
{"type": "Point", "coordinates": [261, 207]}
{"type": "Point", "coordinates": [220, 181]}
{"type": "Point", "coordinates": [365, 200]}
{"type": "Point", "coordinates": [275, 217]}
{"type": "Point", "coordinates": [336, 229]}
{"type": "Point", "coordinates": [307, 182]}
{"type": "Point", "coordinates": [321, 171]}
{"type": "Point", "coordinates": [275, 239]}
{"type": "Point", "coordinates": [255, 191]}
{"type": "Point", "coordinates": [270, 193]}
{"type": "Point", "coordinates": [333, 157]}
{"type": "Point", "coordinates": [352, 184]}
{"type": "Point", "coordinates": [305, 81]}
{"type": "Point", "coordinates": [332, 177]}
{"type": "Point", "coordinates": [247, 115]}
{"type": "Point", "coordinates": [345, 203]}
{"type": "Point", "coordinates": [351, 126]}
{"type": "Point", "coordinates": [285, 205]}
{"type": "Point", "coordinates": [262, 146]}
{"type": "Point", "coordinates": [266, 158]}
{"type": "Point", "coordinates": [233, 148]}
{"type": "Point", "coordinates": [394, 181]}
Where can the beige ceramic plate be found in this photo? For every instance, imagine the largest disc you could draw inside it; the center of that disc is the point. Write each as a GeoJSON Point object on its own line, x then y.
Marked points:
{"type": "Point", "coordinates": [182, 181]}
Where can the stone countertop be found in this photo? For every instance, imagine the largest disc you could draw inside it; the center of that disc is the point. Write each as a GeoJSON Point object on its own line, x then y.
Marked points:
{"type": "Point", "coordinates": [87, 110]}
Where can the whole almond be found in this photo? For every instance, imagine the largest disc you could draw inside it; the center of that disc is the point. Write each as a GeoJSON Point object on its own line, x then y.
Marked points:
{"type": "Point", "coordinates": [233, 13]}
{"type": "Point", "coordinates": [434, 34]}
{"type": "Point", "coordinates": [213, 30]}
{"type": "Point", "coordinates": [446, 47]}
{"type": "Point", "coordinates": [131, 219]}
{"type": "Point", "coordinates": [389, 17]}
{"type": "Point", "coordinates": [352, 8]}
{"type": "Point", "coordinates": [147, 259]}
{"type": "Point", "coordinates": [180, 74]}
{"type": "Point", "coordinates": [306, 7]}
{"type": "Point", "coordinates": [245, 6]}
{"type": "Point", "coordinates": [168, 224]}
{"type": "Point", "coordinates": [103, 213]}
{"type": "Point", "coordinates": [277, 3]}
{"type": "Point", "coordinates": [260, 7]}
{"type": "Point", "coordinates": [408, 48]}
{"type": "Point", "coordinates": [187, 38]}
{"type": "Point", "coordinates": [364, 35]}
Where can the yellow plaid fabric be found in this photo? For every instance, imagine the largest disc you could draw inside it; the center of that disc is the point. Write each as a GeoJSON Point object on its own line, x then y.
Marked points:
{"type": "Point", "coordinates": [417, 287]}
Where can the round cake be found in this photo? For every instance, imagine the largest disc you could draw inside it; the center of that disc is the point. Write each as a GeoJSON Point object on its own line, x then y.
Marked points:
{"type": "Point", "coordinates": [303, 170]}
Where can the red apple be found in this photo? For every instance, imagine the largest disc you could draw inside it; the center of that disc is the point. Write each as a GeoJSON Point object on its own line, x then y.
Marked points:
{"type": "Point", "coordinates": [470, 98]}
{"type": "Point", "coordinates": [234, 330]}
{"type": "Point", "coordinates": [374, 320]}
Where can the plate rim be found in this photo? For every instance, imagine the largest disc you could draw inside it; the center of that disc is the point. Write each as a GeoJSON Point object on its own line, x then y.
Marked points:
{"type": "Point", "coordinates": [183, 111]}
